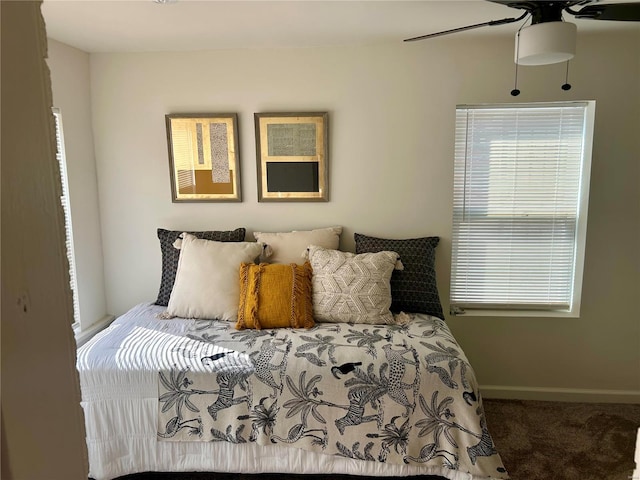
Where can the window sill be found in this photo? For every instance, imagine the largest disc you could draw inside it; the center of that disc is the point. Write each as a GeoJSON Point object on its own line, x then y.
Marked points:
{"type": "Point", "coordinates": [470, 312]}
{"type": "Point", "coordinates": [83, 336]}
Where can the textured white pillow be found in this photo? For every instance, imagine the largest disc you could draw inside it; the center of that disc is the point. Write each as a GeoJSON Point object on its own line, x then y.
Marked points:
{"type": "Point", "coordinates": [207, 279]}
{"type": "Point", "coordinates": [290, 247]}
{"type": "Point", "coordinates": [352, 288]}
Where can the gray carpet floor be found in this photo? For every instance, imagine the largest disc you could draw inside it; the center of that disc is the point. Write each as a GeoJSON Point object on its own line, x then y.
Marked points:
{"type": "Point", "coordinates": [564, 441]}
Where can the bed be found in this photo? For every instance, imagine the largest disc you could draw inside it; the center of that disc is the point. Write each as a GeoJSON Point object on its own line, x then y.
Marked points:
{"type": "Point", "coordinates": [327, 392]}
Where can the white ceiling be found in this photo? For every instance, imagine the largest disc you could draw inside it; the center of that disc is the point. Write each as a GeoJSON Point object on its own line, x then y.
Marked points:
{"type": "Point", "coordinates": [188, 25]}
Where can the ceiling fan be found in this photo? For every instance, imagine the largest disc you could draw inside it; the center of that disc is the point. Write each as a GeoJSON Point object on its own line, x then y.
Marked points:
{"type": "Point", "coordinates": [549, 39]}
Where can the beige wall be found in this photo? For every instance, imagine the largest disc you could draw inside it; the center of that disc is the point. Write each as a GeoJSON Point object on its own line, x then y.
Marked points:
{"type": "Point", "coordinates": [391, 109]}
{"type": "Point", "coordinates": [42, 424]}
{"type": "Point", "coordinates": [71, 94]}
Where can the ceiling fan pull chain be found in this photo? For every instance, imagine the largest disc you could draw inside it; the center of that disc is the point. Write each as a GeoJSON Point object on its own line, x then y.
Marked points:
{"type": "Point", "coordinates": [515, 92]}
{"type": "Point", "coordinates": [567, 85]}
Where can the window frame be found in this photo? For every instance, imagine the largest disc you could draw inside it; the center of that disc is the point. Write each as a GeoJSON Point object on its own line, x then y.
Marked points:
{"type": "Point", "coordinates": [573, 311]}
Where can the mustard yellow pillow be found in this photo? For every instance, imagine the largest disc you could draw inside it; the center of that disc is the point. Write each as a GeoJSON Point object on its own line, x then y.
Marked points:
{"type": "Point", "coordinates": [275, 296]}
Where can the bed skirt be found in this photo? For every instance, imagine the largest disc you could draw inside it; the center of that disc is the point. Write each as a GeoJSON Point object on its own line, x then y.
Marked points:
{"type": "Point", "coordinates": [268, 476]}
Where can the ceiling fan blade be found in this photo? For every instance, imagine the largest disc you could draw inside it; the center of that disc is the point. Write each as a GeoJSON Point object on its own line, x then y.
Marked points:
{"type": "Point", "coordinates": [626, 12]}
{"type": "Point", "coordinates": [468, 27]}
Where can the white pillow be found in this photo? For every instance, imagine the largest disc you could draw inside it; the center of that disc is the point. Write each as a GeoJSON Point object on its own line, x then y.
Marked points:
{"type": "Point", "coordinates": [290, 247]}
{"type": "Point", "coordinates": [352, 288]}
{"type": "Point", "coordinates": [207, 279]}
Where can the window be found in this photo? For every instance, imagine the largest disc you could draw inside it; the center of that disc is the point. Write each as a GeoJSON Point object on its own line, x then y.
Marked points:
{"type": "Point", "coordinates": [521, 181]}
{"type": "Point", "coordinates": [64, 199]}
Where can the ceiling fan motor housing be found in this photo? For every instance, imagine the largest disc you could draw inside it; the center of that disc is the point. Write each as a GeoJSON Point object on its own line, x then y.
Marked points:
{"type": "Point", "coordinates": [545, 43]}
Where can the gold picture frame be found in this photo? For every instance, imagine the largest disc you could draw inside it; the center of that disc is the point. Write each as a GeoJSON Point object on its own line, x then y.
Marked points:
{"type": "Point", "coordinates": [292, 157]}
{"type": "Point", "coordinates": [204, 157]}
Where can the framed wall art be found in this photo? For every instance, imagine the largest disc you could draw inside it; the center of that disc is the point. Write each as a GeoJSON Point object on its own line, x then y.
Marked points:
{"type": "Point", "coordinates": [292, 156]}
{"type": "Point", "coordinates": [203, 157]}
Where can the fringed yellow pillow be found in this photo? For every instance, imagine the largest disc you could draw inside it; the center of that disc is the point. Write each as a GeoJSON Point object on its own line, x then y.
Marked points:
{"type": "Point", "coordinates": [275, 296]}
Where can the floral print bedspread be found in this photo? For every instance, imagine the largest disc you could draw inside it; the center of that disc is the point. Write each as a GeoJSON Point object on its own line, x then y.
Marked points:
{"type": "Point", "coordinates": [395, 394]}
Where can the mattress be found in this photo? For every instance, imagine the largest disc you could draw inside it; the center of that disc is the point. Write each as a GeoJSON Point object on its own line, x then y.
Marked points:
{"type": "Point", "coordinates": [146, 383]}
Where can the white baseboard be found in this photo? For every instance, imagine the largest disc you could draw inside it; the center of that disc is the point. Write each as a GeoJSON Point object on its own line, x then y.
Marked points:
{"type": "Point", "coordinates": [83, 336]}
{"type": "Point", "coordinates": [560, 394]}
{"type": "Point", "coordinates": [636, 472]}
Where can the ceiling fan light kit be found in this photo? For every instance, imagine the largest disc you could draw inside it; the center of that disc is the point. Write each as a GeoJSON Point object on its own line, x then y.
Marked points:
{"type": "Point", "coordinates": [546, 43]}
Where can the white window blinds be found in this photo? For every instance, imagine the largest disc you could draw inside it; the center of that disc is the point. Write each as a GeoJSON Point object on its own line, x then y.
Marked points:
{"type": "Point", "coordinates": [517, 196]}
{"type": "Point", "coordinates": [66, 207]}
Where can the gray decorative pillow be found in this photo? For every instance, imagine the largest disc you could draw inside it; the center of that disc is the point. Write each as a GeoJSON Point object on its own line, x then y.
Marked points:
{"type": "Point", "coordinates": [352, 288]}
{"type": "Point", "coordinates": [414, 289]}
{"type": "Point", "coordinates": [170, 255]}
